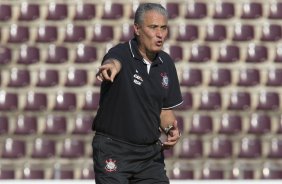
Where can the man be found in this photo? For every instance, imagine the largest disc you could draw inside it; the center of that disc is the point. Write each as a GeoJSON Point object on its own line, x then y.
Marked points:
{"type": "Point", "coordinates": [138, 91]}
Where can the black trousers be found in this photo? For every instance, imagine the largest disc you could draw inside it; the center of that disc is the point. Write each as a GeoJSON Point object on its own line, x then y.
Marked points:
{"type": "Point", "coordinates": [117, 162]}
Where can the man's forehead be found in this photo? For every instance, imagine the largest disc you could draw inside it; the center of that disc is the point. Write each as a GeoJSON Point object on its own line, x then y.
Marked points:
{"type": "Point", "coordinates": [154, 17]}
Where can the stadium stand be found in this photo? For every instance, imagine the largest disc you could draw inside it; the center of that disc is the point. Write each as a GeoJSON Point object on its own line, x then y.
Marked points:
{"type": "Point", "coordinates": [228, 56]}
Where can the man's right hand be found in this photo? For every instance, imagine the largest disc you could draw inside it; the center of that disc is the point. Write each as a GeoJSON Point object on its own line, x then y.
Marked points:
{"type": "Point", "coordinates": [108, 70]}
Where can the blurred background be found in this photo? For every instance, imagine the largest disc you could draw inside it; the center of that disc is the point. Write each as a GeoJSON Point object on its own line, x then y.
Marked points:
{"type": "Point", "coordinates": [228, 55]}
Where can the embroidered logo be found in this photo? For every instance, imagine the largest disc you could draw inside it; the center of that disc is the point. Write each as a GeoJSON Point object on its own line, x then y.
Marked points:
{"type": "Point", "coordinates": [164, 80]}
{"type": "Point", "coordinates": [111, 165]}
{"type": "Point", "coordinates": [137, 79]}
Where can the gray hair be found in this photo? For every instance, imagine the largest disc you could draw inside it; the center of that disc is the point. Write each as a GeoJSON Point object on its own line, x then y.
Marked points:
{"type": "Point", "coordinates": [143, 8]}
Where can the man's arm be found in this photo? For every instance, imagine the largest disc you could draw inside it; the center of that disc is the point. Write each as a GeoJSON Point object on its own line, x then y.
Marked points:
{"type": "Point", "coordinates": [108, 70]}
{"type": "Point", "coordinates": [169, 126]}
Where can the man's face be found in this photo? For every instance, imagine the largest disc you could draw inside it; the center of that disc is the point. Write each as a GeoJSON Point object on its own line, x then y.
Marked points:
{"type": "Point", "coordinates": [152, 32]}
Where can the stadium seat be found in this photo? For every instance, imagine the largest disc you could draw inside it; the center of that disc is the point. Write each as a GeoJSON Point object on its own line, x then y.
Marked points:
{"type": "Point", "coordinates": [172, 9]}
{"type": "Point", "coordinates": [83, 124]}
{"type": "Point", "coordinates": [91, 101]}
{"type": "Point", "coordinates": [4, 124]}
{"type": "Point", "coordinates": [187, 32]}
{"type": "Point", "coordinates": [243, 33]}
{"type": "Point", "coordinates": [72, 148]}
{"type": "Point", "coordinates": [187, 102]}
{"type": "Point", "coordinates": [127, 32]}
{"type": "Point", "coordinates": [215, 32]}
{"type": "Point", "coordinates": [5, 12]}
{"type": "Point", "coordinates": [55, 124]}
{"type": "Point", "coordinates": [28, 55]}
{"type": "Point", "coordinates": [259, 124]}
{"type": "Point", "coordinates": [102, 33]}
{"type": "Point", "coordinates": [47, 78]}
{"type": "Point", "coordinates": [85, 54]}
{"type": "Point", "coordinates": [5, 55]}
{"type": "Point", "coordinates": [248, 77]}
{"type": "Point", "coordinates": [63, 174]}
{"type": "Point", "coordinates": [274, 76]}
{"type": "Point", "coordinates": [181, 171]}
{"type": "Point", "coordinates": [268, 100]}
{"type": "Point", "coordinates": [230, 124]}
{"type": "Point", "coordinates": [275, 9]}
{"type": "Point", "coordinates": [220, 148]}
{"type": "Point", "coordinates": [271, 33]}
{"type": "Point", "coordinates": [112, 10]}
{"type": "Point", "coordinates": [35, 101]}
{"type": "Point", "coordinates": [201, 124]}
{"type": "Point", "coordinates": [57, 11]}
{"type": "Point", "coordinates": [175, 52]}
{"type": "Point", "coordinates": [7, 174]}
{"type": "Point", "coordinates": [200, 53]}
{"type": "Point", "coordinates": [25, 125]}
{"type": "Point", "coordinates": [29, 11]}
{"type": "Point", "coordinates": [19, 78]}
{"type": "Point", "coordinates": [275, 148]}
{"type": "Point", "coordinates": [191, 148]}
{"type": "Point", "coordinates": [239, 100]}
{"type": "Point", "coordinates": [43, 148]}
{"type": "Point", "coordinates": [65, 101]}
{"type": "Point", "coordinates": [210, 100]}
{"type": "Point", "coordinates": [57, 54]}
{"type": "Point", "coordinates": [195, 10]}
{"type": "Point", "coordinates": [271, 171]}
{"type": "Point", "coordinates": [243, 171]}
{"type": "Point", "coordinates": [228, 54]}
{"type": "Point", "coordinates": [74, 33]}
{"type": "Point", "coordinates": [46, 34]}
{"type": "Point", "coordinates": [18, 34]}
{"type": "Point", "coordinates": [76, 77]}
{"type": "Point", "coordinates": [278, 54]}
{"type": "Point", "coordinates": [191, 77]}
{"type": "Point", "coordinates": [251, 10]}
{"type": "Point", "coordinates": [250, 148]}
{"type": "Point", "coordinates": [30, 173]}
{"type": "Point", "coordinates": [224, 10]}
{"type": "Point", "coordinates": [220, 77]}
{"type": "Point", "coordinates": [87, 173]}
{"type": "Point", "coordinates": [212, 174]}
{"type": "Point", "coordinates": [13, 149]}
{"type": "Point", "coordinates": [9, 101]}
{"type": "Point", "coordinates": [84, 11]}
{"type": "Point", "coordinates": [256, 54]}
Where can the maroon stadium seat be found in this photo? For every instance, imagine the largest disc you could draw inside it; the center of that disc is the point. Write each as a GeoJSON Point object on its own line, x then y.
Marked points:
{"type": "Point", "coordinates": [201, 124]}
{"type": "Point", "coordinates": [28, 55]}
{"type": "Point", "coordinates": [25, 125]}
{"type": "Point", "coordinates": [43, 148]}
{"type": "Point", "coordinates": [112, 10]}
{"type": "Point", "coordinates": [224, 10]}
{"type": "Point", "coordinates": [251, 10]}
{"type": "Point", "coordinates": [195, 10]}
{"type": "Point", "coordinates": [57, 11]}
{"type": "Point", "coordinates": [84, 11]}
{"type": "Point", "coordinates": [35, 101]}
{"type": "Point", "coordinates": [230, 124]}
{"type": "Point", "coordinates": [19, 78]}
{"type": "Point", "coordinates": [47, 78]}
{"type": "Point", "coordinates": [29, 11]}
{"type": "Point", "coordinates": [76, 77]}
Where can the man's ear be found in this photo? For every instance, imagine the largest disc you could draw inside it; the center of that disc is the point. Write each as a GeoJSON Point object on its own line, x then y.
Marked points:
{"type": "Point", "coordinates": [136, 29]}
